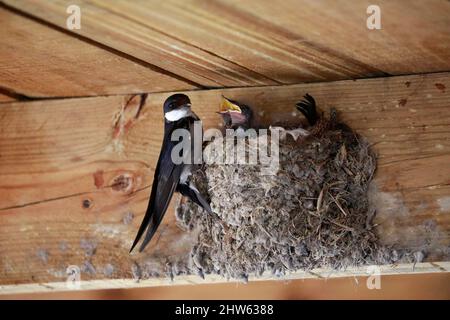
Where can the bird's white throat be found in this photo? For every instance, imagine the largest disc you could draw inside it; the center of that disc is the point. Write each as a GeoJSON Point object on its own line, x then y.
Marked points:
{"type": "Point", "coordinates": [178, 114]}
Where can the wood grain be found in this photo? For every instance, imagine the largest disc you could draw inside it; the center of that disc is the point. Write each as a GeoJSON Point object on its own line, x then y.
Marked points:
{"type": "Point", "coordinates": [39, 61]}
{"type": "Point", "coordinates": [6, 98]}
{"type": "Point", "coordinates": [414, 35]}
{"type": "Point", "coordinates": [147, 44]}
{"type": "Point", "coordinates": [233, 43]}
{"type": "Point", "coordinates": [361, 273]}
{"type": "Point", "coordinates": [75, 174]}
{"type": "Point", "coordinates": [401, 286]}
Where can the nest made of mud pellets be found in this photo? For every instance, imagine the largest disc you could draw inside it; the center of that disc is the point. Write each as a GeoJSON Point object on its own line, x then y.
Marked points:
{"type": "Point", "coordinates": [314, 212]}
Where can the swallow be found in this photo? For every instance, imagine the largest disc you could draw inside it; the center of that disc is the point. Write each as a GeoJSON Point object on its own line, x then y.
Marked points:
{"type": "Point", "coordinates": [170, 177]}
{"type": "Point", "coordinates": [235, 115]}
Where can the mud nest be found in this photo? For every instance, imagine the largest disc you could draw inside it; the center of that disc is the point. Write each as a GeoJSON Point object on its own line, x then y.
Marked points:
{"type": "Point", "coordinates": [314, 212]}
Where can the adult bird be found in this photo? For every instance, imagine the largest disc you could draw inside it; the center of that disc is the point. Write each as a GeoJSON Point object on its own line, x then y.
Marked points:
{"type": "Point", "coordinates": [170, 175]}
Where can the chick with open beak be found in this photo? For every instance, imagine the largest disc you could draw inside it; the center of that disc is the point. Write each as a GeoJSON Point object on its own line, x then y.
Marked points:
{"type": "Point", "coordinates": [235, 115]}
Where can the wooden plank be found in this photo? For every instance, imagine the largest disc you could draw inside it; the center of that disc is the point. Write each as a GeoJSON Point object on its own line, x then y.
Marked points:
{"type": "Point", "coordinates": [419, 268]}
{"type": "Point", "coordinates": [6, 98]}
{"type": "Point", "coordinates": [414, 35]}
{"type": "Point", "coordinates": [149, 45]}
{"type": "Point", "coordinates": [235, 43]}
{"type": "Point", "coordinates": [75, 174]}
{"type": "Point", "coordinates": [43, 62]}
{"type": "Point", "coordinates": [413, 286]}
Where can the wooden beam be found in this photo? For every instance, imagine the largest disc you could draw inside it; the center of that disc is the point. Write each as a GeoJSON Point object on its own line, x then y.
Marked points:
{"type": "Point", "coordinates": [75, 175]}
{"type": "Point", "coordinates": [44, 62]}
{"type": "Point", "coordinates": [418, 268]}
{"type": "Point", "coordinates": [235, 43]}
{"type": "Point", "coordinates": [6, 98]}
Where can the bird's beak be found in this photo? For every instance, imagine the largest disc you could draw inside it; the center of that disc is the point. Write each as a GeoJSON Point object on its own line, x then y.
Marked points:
{"type": "Point", "coordinates": [228, 106]}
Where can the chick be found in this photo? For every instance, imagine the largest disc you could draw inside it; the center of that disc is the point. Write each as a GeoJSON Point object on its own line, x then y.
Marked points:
{"type": "Point", "coordinates": [235, 115]}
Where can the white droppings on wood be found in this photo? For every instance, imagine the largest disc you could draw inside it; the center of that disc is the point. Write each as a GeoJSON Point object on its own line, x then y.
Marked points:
{"type": "Point", "coordinates": [444, 204]}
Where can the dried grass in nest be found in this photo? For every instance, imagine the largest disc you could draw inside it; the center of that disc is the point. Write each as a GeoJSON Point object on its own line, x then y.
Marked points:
{"type": "Point", "coordinates": [313, 213]}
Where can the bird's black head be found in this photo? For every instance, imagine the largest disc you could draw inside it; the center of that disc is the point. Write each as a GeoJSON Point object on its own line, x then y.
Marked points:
{"type": "Point", "coordinates": [176, 107]}
{"type": "Point", "coordinates": [176, 101]}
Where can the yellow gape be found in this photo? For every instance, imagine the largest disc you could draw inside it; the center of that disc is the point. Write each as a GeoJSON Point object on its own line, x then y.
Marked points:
{"type": "Point", "coordinates": [228, 106]}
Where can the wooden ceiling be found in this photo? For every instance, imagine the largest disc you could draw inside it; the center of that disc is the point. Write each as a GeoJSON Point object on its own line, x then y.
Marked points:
{"type": "Point", "coordinates": [78, 163]}
{"type": "Point", "coordinates": [153, 46]}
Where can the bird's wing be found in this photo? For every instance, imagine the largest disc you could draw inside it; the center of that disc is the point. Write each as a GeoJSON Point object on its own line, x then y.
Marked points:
{"type": "Point", "coordinates": [167, 176]}
{"type": "Point", "coordinates": [186, 188]}
{"type": "Point", "coordinates": [308, 107]}
{"type": "Point", "coordinates": [190, 191]}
